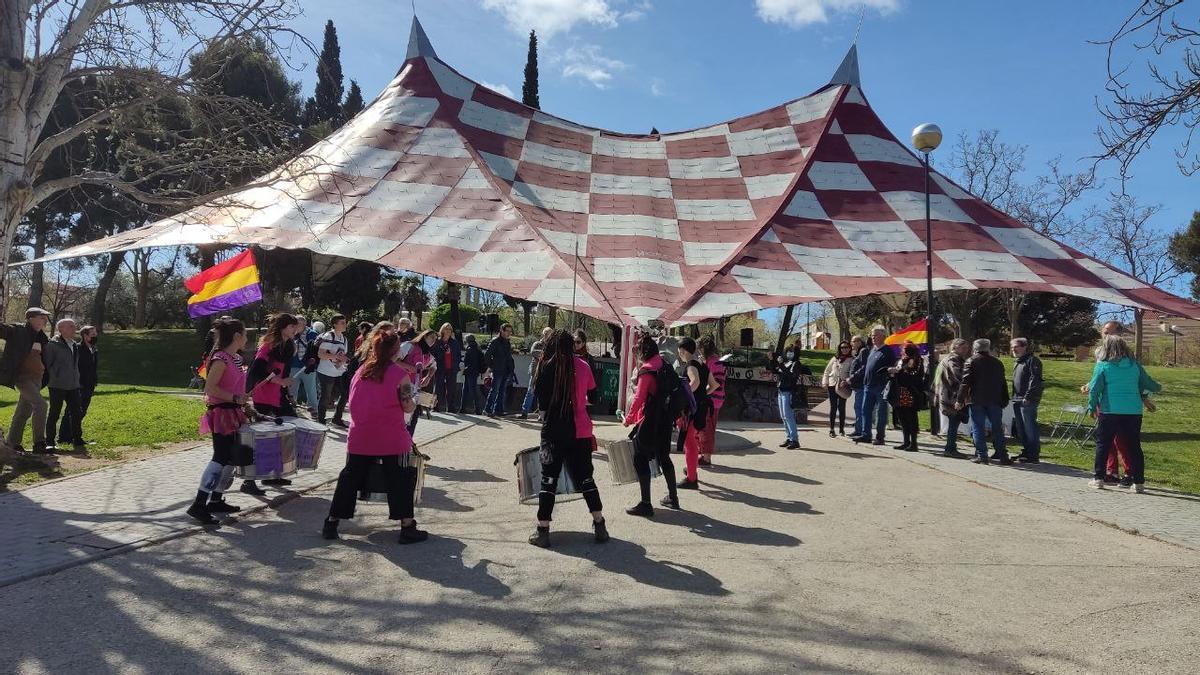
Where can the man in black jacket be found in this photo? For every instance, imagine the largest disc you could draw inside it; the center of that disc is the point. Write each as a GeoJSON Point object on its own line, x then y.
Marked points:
{"type": "Point", "coordinates": [21, 368]}
{"type": "Point", "coordinates": [985, 390]}
{"type": "Point", "coordinates": [88, 360]}
{"type": "Point", "coordinates": [473, 367]}
{"type": "Point", "coordinates": [857, 367]}
{"type": "Point", "coordinates": [499, 355]}
{"type": "Point", "coordinates": [1027, 388]}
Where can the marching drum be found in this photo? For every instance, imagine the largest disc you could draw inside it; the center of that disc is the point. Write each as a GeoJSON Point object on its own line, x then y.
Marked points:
{"type": "Point", "coordinates": [426, 399]}
{"type": "Point", "coordinates": [529, 479]}
{"type": "Point", "coordinates": [377, 487]}
{"type": "Point", "coordinates": [620, 462]}
{"type": "Point", "coordinates": [310, 440]}
{"type": "Point", "coordinates": [274, 450]}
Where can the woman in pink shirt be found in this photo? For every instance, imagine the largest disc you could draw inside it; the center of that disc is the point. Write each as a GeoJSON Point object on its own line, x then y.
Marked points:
{"type": "Point", "coordinates": [652, 437]}
{"type": "Point", "coordinates": [380, 395]}
{"type": "Point", "coordinates": [225, 399]}
{"type": "Point", "coordinates": [562, 387]}
{"type": "Point", "coordinates": [269, 382]}
{"type": "Point", "coordinates": [416, 356]}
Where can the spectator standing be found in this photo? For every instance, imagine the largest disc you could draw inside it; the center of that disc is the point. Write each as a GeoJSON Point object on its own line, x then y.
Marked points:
{"type": "Point", "coordinates": [500, 358]}
{"type": "Point", "coordinates": [837, 371]}
{"type": "Point", "coordinates": [61, 359]}
{"type": "Point", "coordinates": [405, 330]}
{"type": "Point", "coordinates": [89, 360]}
{"type": "Point", "coordinates": [787, 373]}
{"type": "Point", "coordinates": [1116, 450]}
{"type": "Point", "coordinates": [1115, 400]}
{"type": "Point", "coordinates": [304, 366]}
{"type": "Point", "coordinates": [907, 395]}
{"type": "Point", "coordinates": [985, 390]}
{"type": "Point", "coordinates": [708, 439]}
{"type": "Point", "coordinates": [447, 352]}
{"type": "Point", "coordinates": [581, 350]}
{"type": "Point", "coordinates": [876, 377]}
{"type": "Point", "coordinates": [858, 369]}
{"type": "Point", "coordinates": [332, 348]}
{"type": "Point", "coordinates": [537, 352]}
{"type": "Point", "coordinates": [949, 381]}
{"type": "Point", "coordinates": [21, 368]}
{"type": "Point", "coordinates": [473, 367]}
{"type": "Point", "coordinates": [1027, 386]}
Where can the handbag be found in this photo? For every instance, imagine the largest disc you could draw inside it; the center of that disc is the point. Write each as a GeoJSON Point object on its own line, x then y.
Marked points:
{"type": "Point", "coordinates": [843, 389]}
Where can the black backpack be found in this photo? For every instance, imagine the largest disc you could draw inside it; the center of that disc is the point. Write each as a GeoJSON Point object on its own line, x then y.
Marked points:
{"type": "Point", "coordinates": [673, 399]}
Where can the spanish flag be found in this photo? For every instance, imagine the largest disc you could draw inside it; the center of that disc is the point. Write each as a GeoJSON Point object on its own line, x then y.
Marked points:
{"type": "Point", "coordinates": [222, 287]}
{"type": "Point", "coordinates": [916, 333]}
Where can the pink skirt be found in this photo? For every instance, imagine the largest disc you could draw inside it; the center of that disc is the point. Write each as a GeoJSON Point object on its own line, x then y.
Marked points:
{"type": "Point", "coordinates": [218, 420]}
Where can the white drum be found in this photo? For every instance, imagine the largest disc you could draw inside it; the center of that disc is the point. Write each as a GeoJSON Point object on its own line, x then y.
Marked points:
{"type": "Point", "coordinates": [426, 399]}
{"type": "Point", "coordinates": [274, 450]}
{"type": "Point", "coordinates": [529, 479]}
{"type": "Point", "coordinates": [310, 440]}
{"type": "Point", "coordinates": [620, 462]}
{"type": "Point", "coordinates": [376, 490]}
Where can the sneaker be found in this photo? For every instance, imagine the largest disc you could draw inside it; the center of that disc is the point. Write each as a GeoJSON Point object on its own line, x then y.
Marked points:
{"type": "Point", "coordinates": [411, 535]}
{"type": "Point", "coordinates": [79, 447]}
{"type": "Point", "coordinates": [980, 460]}
{"type": "Point", "coordinates": [878, 441]}
{"type": "Point", "coordinates": [1005, 461]}
{"type": "Point", "coordinates": [222, 506]}
{"type": "Point", "coordinates": [1096, 483]}
{"type": "Point", "coordinates": [43, 449]}
{"type": "Point", "coordinates": [669, 502]}
{"type": "Point", "coordinates": [912, 447]}
{"type": "Point", "coordinates": [248, 487]}
{"type": "Point", "coordinates": [641, 509]}
{"type": "Point", "coordinates": [340, 424]}
{"type": "Point", "coordinates": [793, 445]}
{"type": "Point", "coordinates": [1125, 481]}
{"type": "Point", "coordinates": [1111, 479]}
{"type": "Point", "coordinates": [329, 529]}
{"type": "Point", "coordinates": [1023, 459]}
{"type": "Point", "coordinates": [201, 514]}
{"type": "Point", "coordinates": [785, 444]}
{"type": "Point", "coordinates": [831, 434]}
{"type": "Point", "coordinates": [601, 531]}
{"type": "Point", "coordinates": [277, 482]}
{"type": "Point", "coordinates": [953, 453]}
{"type": "Point", "coordinates": [525, 416]}
{"type": "Point", "coordinates": [902, 446]}
{"type": "Point", "coordinates": [688, 485]}
{"type": "Point", "coordinates": [541, 537]}
{"type": "Point", "coordinates": [1137, 488]}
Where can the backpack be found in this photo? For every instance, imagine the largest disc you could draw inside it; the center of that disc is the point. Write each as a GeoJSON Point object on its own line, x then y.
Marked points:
{"type": "Point", "coordinates": [674, 398]}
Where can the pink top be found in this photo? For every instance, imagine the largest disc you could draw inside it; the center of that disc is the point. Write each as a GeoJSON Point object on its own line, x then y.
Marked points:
{"type": "Point", "coordinates": [718, 372]}
{"type": "Point", "coordinates": [377, 424]}
{"type": "Point", "coordinates": [233, 380]}
{"type": "Point", "coordinates": [584, 382]}
{"type": "Point", "coordinates": [268, 393]}
{"type": "Point", "coordinates": [224, 418]}
{"type": "Point", "coordinates": [647, 384]}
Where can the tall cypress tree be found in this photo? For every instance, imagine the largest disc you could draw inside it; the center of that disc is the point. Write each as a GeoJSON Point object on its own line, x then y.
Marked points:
{"type": "Point", "coordinates": [327, 102]}
{"type": "Point", "coordinates": [529, 90]}
{"type": "Point", "coordinates": [354, 102]}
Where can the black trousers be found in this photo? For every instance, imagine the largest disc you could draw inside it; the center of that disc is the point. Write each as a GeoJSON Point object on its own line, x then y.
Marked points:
{"type": "Point", "coordinates": [642, 455]}
{"type": "Point", "coordinates": [444, 386]}
{"type": "Point", "coordinates": [908, 423]}
{"type": "Point", "coordinates": [85, 400]}
{"type": "Point", "coordinates": [401, 484]}
{"type": "Point", "coordinates": [72, 420]}
{"type": "Point", "coordinates": [837, 410]}
{"type": "Point", "coordinates": [576, 457]}
{"type": "Point", "coordinates": [332, 387]}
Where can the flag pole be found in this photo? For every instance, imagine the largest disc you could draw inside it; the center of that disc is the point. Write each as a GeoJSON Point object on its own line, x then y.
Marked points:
{"type": "Point", "coordinates": [574, 282]}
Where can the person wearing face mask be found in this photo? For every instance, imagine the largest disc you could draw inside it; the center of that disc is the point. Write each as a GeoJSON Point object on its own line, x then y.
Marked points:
{"type": "Point", "coordinates": [787, 372]}
{"type": "Point", "coordinates": [837, 371]}
{"type": "Point", "coordinates": [89, 360]}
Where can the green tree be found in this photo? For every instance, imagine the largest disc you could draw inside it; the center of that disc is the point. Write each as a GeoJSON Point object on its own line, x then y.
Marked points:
{"type": "Point", "coordinates": [414, 297]}
{"type": "Point", "coordinates": [354, 102]}
{"type": "Point", "coordinates": [442, 314]}
{"type": "Point", "coordinates": [1184, 250]}
{"type": "Point", "coordinates": [1065, 321]}
{"type": "Point", "coordinates": [529, 90]}
{"type": "Point", "coordinates": [327, 100]}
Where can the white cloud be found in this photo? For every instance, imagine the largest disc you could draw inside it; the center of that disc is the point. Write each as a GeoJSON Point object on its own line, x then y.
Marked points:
{"type": "Point", "coordinates": [637, 11]}
{"type": "Point", "coordinates": [797, 13]}
{"type": "Point", "coordinates": [548, 17]}
{"type": "Point", "coordinates": [656, 86]}
{"type": "Point", "coordinates": [499, 89]}
{"type": "Point", "coordinates": [586, 62]}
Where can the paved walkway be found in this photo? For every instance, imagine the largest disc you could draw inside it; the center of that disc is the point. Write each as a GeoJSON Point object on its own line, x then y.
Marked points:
{"type": "Point", "coordinates": [77, 519]}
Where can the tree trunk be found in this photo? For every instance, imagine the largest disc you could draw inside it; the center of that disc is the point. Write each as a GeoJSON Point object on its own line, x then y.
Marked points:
{"type": "Point", "coordinates": [102, 286]}
{"type": "Point", "coordinates": [207, 257]}
{"type": "Point", "coordinates": [527, 309]}
{"type": "Point", "coordinates": [141, 286]}
{"type": "Point", "coordinates": [37, 277]}
{"type": "Point", "coordinates": [552, 316]}
{"type": "Point", "coordinates": [842, 314]}
{"type": "Point", "coordinates": [1015, 300]}
{"type": "Point", "coordinates": [784, 329]}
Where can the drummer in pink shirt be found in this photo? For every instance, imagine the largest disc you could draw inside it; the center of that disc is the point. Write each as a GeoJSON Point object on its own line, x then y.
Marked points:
{"type": "Point", "coordinates": [269, 382]}
{"type": "Point", "coordinates": [380, 395]}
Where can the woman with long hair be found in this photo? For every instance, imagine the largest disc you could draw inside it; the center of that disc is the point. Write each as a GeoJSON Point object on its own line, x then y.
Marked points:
{"type": "Point", "coordinates": [269, 382]}
{"type": "Point", "coordinates": [562, 385]}
{"type": "Point", "coordinates": [837, 371]}
{"type": "Point", "coordinates": [708, 440]}
{"type": "Point", "coordinates": [1115, 399]}
{"type": "Point", "coordinates": [381, 392]}
{"type": "Point", "coordinates": [447, 354]}
{"type": "Point", "coordinates": [416, 356]}
{"type": "Point", "coordinates": [224, 400]}
{"type": "Point", "coordinates": [581, 350]}
{"type": "Point", "coordinates": [907, 394]}
{"type": "Point", "coordinates": [652, 435]}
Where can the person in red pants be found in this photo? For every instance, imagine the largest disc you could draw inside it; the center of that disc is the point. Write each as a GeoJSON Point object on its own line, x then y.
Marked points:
{"type": "Point", "coordinates": [701, 382]}
{"type": "Point", "coordinates": [1116, 450]}
{"type": "Point", "coordinates": [716, 370]}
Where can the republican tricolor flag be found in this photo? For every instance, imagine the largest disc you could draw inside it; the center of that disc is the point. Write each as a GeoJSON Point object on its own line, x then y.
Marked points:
{"type": "Point", "coordinates": [225, 286]}
{"type": "Point", "coordinates": [916, 333]}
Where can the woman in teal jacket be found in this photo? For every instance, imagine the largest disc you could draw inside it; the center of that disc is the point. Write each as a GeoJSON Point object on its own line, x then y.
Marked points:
{"type": "Point", "coordinates": [1115, 400]}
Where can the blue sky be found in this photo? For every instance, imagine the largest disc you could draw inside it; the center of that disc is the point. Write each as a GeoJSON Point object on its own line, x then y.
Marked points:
{"type": "Point", "coordinates": [1022, 67]}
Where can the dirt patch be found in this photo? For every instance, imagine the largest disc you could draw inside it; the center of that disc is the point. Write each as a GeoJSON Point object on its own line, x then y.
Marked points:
{"type": "Point", "coordinates": [21, 470]}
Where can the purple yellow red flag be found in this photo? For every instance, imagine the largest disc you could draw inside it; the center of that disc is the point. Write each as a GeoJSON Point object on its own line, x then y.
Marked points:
{"type": "Point", "coordinates": [225, 286]}
{"type": "Point", "coordinates": [916, 333]}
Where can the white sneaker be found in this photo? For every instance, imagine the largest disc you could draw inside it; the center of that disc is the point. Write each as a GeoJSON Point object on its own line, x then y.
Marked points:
{"type": "Point", "coordinates": [1096, 483]}
{"type": "Point", "coordinates": [1137, 488]}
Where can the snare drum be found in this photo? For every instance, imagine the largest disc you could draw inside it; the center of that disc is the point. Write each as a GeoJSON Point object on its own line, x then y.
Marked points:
{"type": "Point", "coordinates": [310, 440]}
{"type": "Point", "coordinates": [426, 399]}
{"type": "Point", "coordinates": [377, 488]}
{"type": "Point", "coordinates": [620, 462]}
{"type": "Point", "coordinates": [274, 450]}
{"type": "Point", "coordinates": [529, 479]}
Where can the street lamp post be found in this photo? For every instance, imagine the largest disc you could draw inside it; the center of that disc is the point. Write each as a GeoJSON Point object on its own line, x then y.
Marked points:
{"type": "Point", "coordinates": [926, 138]}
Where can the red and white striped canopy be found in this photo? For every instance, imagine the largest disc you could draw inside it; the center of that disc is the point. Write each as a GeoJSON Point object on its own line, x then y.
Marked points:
{"type": "Point", "coordinates": [810, 200]}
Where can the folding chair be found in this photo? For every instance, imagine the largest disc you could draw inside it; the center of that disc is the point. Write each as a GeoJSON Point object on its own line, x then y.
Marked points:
{"type": "Point", "coordinates": [1072, 422]}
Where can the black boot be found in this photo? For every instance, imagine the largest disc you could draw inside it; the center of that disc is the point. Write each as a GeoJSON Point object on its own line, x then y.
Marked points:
{"type": "Point", "coordinates": [601, 531]}
{"type": "Point", "coordinates": [199, 509]}
{"type": "Point", "coordinates": [251, 488]}
{"type": "Point", "coordinates": [641, 509]}
{"type": "Point", "coordinates": [541, 538]}
{"type": "Point", "coordinates": [329, 529]}
{"type": "Point", "coordinates": [217, 504]}
{"type": "Point", "coordinates": [409, 534]}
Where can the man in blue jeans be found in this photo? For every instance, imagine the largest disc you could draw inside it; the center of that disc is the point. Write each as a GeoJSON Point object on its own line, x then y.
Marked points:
{"type": "Point", "coordinates": [499, 355]}
{"type": "Point", "coordinates": [876, 376]}
{"type": "Point", "coordinates": [949, 381]}
{"type": "Point", "coordinates": [858, 366]}
{"type": "Point", "coordinates": [536, 351]}
{"type": "Point", "coordinates": [1027, 388]}
{"type": "Point", "coordinates": [985, 389]}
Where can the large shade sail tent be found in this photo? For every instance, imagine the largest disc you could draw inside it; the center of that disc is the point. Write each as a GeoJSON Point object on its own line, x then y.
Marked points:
{"type": "Point", "coordinates": [810, 200]}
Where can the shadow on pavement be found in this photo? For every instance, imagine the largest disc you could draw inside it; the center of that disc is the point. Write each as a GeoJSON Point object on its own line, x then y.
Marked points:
{"type": "Point", "coordinates": [843, 453]}
{"type": "Point", "coordinates": [439, 560]}
{"type": "Point", "coordinates": [451, 474]}
{"type": "Point", "coordinates": [711, 528]}
{"type": "Point", "coordinates": [625, 557]}
{"type": "Point", "coordinates": [728, 494]}
{"type": "Point", "coordinates": [758, 473]}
